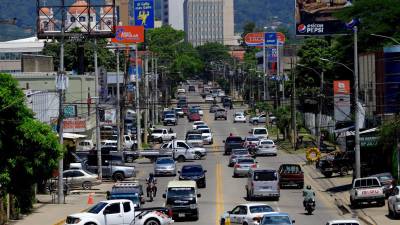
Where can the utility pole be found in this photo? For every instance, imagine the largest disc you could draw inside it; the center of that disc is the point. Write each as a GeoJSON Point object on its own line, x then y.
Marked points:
{"type": "Point", "coordinates": [318, 130]}
{"type": "Point", "coordinates": [146, 96]}
{"type": "Point", "coordinates": [156, 93]}
{"type": "Point", "coordinates": [96, 87]}
{"type": "Point", "coordinates": [293, 105]}
{"type": "Point", "coordinates": [357, 111]}
{"type": "Point", "coordinates": [138, 116]}
{"type": "Point", "coordinates": [153, 105]}
{"type": "Point", "coordinates": [118, 106]}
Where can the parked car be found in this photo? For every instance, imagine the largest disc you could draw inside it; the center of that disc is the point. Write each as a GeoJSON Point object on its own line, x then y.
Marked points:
{"type": "Point", "coordinates": [266, 147]}
{"type": "Point", "coordinates": [277, 218]}
{"type": "Point", "coordinates": [386, 180]}
{"type": "Point", "coordinates": [195, 173]}
{"type": "Point", "coordinates": [232, 142]}
{"type": "Point", "coordinates": [262, 183]}
{"type": "Point", "coordinates": [336, 162]}
{"type": "Point", "coordinates": [238, 153]}
{"type": "Point", "coordinates": [220, 113]}
{"type": "Point", "coordinates": [194, 117]}
{"type": "Point", "coordinates": [367, 189]}
{"type": "Point", "coordinates": [116, 212]}
{"type": "Point", "coordinates": [394, 202]}
{"type": "Point", "coordinates": [243, 165]}
{"type": "Point", "coordinates": [291, 174]}
{"type": "Point", "coordinates": [85, 145]}
{"type": "Point", "coordinates": [250, 214]}
{"type": "Point", "coordinates": [80, 179]}
{"type": "Point", "coordinates": [258, 119]}
{"type": "Point", "coordinates": [165, 166]}
{"type": "Point", "coordinates": [259, 132]}
{"type": "Point", "coordinates": [214, 108]}
{"type": "Point", "coordinates": [239, 117]}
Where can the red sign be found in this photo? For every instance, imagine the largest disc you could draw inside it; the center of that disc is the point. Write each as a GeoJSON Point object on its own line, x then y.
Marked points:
{"type": "Point", "coordinates": [281, 38]}
{"type": "Point", "coordinates": [254, 39]}
{"type": "Point", "coordinates": [341, 87]}
{"type": "Point", "coordinates": [129, 34]}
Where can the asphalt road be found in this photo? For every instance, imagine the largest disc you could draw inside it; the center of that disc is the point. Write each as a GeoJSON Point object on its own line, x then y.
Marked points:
{"type": "Point", "coordinates": [223, 192]}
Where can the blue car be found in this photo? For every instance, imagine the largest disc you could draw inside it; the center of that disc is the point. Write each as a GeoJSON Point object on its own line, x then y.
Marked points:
{"type": "Point", "coordinates": [276, 218]}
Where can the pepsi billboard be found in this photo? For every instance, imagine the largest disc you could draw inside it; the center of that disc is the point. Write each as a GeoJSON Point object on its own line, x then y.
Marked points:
{"type": "Point", "coordinates": [315, 17]}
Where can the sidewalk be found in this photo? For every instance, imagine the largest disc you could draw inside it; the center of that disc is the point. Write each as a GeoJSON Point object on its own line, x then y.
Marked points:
{"type": "Point", "coordinates": [47, 213]}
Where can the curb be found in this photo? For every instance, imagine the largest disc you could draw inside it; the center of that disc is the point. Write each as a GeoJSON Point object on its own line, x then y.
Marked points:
{"type": "Point", "coordinates": [88, 192]}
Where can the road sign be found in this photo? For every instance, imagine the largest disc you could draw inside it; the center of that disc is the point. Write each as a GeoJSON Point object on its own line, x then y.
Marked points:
{"type": "Point", "coordinates": [271, 38]}
{"type": "Point", "coordinates": [144, 13]}
{"type": "Point", "coordinates": [129, 34]}
{"type": "Point", "coordinates": [254, 39]}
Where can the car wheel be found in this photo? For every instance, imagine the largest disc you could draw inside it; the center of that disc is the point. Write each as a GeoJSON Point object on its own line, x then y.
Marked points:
{"type": "Point", "coordinates": [129, 159]}
{"type": "Point", "coordinates": [197, 156]}
{"type": "Point", "coordinates": [255, 122]}
{"type": "Point", "coordinates": [353, 203]}
{"type": "Point", "coordinates": [245, 223]}
{"type": "Point", "coordinates": [390, 212]}
{"type": "Point", "coordinates": [160, 140]}
{"type": "Point", "coordinates": [152, 222]}
{"type": "Point", "coordinates": [234, 121]}
{"type": "Point", "coordinates": [118, 176]}
{"type": "Point", "coordinates": [181, 158]}
{"type": "Point", "coordinates": [328, 174]}
{"type": "Point", "coordinates": [343, 171]}
{"type": "Point", "coordinates": [87, 185]}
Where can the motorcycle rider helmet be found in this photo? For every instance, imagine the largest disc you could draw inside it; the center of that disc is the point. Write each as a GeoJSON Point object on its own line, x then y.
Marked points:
{"type": "Point", "coordinates": [309, 187]}
{"type": "Point", "coordinates": [151, 175]}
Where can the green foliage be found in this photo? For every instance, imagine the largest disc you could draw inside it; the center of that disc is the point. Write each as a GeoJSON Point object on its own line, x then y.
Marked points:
{"type": "Point", "coordinates": [388, 133]}
{"type": "Point", "coordinates": [29, 149]}
{"type": "Point", "coordinates": [213, 52]}
{"type": "Point", "coordinates": [283, 118]}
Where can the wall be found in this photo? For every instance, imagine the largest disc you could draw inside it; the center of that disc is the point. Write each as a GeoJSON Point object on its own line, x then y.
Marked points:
{"type": "Point", "coordinates": [37, 63]}
{"type": "Point", "coordinates": [311, 121]}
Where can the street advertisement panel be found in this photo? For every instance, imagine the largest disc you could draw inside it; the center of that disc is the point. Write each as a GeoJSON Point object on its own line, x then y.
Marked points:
{"type": "Point", "coordinates": [316, 17]}
{"type": "Point", "coordinates": [128, 34]}
{"type": "Point", "coordinates": [110, 117]}
{"type": "Point", "coordinates": [341, 96]}
{"type": "Point", "coordinates": [144, 13]}
{"type": "Point", "coordinates": [270, 38]}
{"type": "Point", "coordinates": [72, 125]}
{"type": "Point", "coordinates": [70, 111]}
{"type": "Point", "coordinates": [254, 39]}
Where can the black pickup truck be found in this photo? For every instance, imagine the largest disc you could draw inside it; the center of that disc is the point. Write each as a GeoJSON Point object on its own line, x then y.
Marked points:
{"type": "Point", "coordinates": [336, 162]}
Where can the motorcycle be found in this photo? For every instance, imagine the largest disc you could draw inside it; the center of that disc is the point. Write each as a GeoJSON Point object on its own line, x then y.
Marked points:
{"type": "Point", "coordinates": [309, 206]}
{"type": "Point", "coordinates": [151, 190]}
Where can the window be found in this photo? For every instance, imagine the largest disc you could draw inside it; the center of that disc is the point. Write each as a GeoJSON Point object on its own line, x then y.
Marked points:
{"type": "Point", "coordinates": [91, 19]}
{"type": "Point", "coordinates": [68, 174]}
{"type": "Point", "coordinates": [82, 19]}
{"type": "Point", "coordinates": [113, 208]}
{"type": "Point", "coordinates": [240, 210]}
{"type": "Point", "coordinates": [127, 207]}
{"type": "Point", "coordinates": [73, 19]}
{"type": "Point", "coordinates": [77, 174]}
{"type": "Point", "coordinates": [182, 145]}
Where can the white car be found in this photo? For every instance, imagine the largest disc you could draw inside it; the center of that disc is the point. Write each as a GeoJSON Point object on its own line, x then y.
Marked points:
{"type": "Point", "coordinates": [221, 93]}
{"type": "Point", "coordinates": [207, 135]}
{"type": "Point", "coordinates": [119, 211]}
{"type": "Point", "coordinates": [198, 123]}
{"type": "Point", "coordinates": [250, 214]}
{"type": "Point", "coordinates": [343, 222]}
{"type": "Point", "coordinates": [209, 98]}
{"type": "Point", "coordinates": [394, 203]}
{"type": "Point", "coordinates": [239, 117]}
{"type": "Point", "coordinates": [266, 147]}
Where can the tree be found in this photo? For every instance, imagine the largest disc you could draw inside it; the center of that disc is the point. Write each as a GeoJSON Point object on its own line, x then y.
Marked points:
{"type": "Point", "coordinates": [29, 149]}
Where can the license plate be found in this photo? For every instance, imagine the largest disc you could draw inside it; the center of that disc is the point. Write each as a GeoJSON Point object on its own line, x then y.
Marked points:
{"type": "Point", "coordinates": [181, 215]}
{"type": "Point", "coordinates": [267, 187]}
{"type": "Point", "coordinates": [328, 169]}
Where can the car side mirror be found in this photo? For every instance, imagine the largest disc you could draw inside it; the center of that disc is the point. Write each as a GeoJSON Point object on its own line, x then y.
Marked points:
{"type": "Point", "coordinates": [205, 171]}
{"type": "Point", "coordinates": [164, 195]}
{"type": "Point", "coordinates": [199, 195]}
{"type": "Point", "coordinates": [229, 212]}
{"type": "Point", "coordinates": [249, 132]}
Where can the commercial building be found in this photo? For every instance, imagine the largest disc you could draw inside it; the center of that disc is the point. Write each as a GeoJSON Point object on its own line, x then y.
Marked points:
{"type": "Point", "coordinates": [172, 13]}
{"type": "Point", "coordinates": [209, 21]}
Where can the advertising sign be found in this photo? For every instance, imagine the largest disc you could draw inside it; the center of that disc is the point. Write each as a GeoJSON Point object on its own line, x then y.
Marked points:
{"type": "Point", "coordinates": [110, 117]}
{"type": "Point", "coordinates": [144, 13]}
{"type": "Point", "coordinates": [129, 34]}
{"type": "Point", "coordinates": [254, 39]}
{"type": "Point", "coordinates": [74, 125]}
{"type": "Point", "coordinates": [132, 73]}
{"type": "Point", "coordinates": [70, 111]}
{"type": "Point", "coordinates": [272, 54]}
{"type": "Point", "coordinates": [257, 39]}
{"type": "Point", "coordinates": [341, 99]}
{"type": "Point", "coordinates": [315, 17]}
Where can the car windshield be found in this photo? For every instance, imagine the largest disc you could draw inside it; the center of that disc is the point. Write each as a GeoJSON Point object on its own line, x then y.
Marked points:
{"type": "Point", "coordinates": [194, 137]}
{"type": "Point", "coordinates": [198, 123]}
{"type": "Point", "coordinates": [260, 131]}
{"type": "Point", "coordinates": [238, 114]}
{"type": "Point", "coordinates": [251, 139]}
{"type": "Point", "coordinates": [169, 116]}
{"type": "Point", "coordinates": [192, 169]}
{"type": "Point", "coordinates": [181, 191]}
{"type": "Point", "coordinates": [267, 143]}
{"type": "Point", "coordinates": [245, 161]}
{"type": "Point", "coordinates": [178, 110]}
{"type": "Point", "coordinates": [276, 219]}
{"type": "Point", "coordinates": [234, 139]}
{"type": "Point", "coordinates": [97, 208]}
{"type": "Point", "coordinates": [157, 131]}
{"type": "Point", "coordinates": [240, 152]}
{"type": "Point", "coordinates": [165, 161]}
{"type": "Point", "coordinates": [385, 177]}
{"type": "Point", "coordinates": [201, 126]}
{"type": "Point", "coordinates": [265, 176]}
{"type": "Point", "coordinates": [220, 110]}
{"type": "Point", "coordinates": [260, 209]}
{"type": "Point", "coordinates": [205, 131]}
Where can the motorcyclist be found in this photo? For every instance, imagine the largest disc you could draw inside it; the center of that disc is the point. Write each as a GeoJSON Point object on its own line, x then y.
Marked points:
{"type": "Point", "coordinates": [308, 195]}
{"type": "Point", "coordinates": [151, 180]}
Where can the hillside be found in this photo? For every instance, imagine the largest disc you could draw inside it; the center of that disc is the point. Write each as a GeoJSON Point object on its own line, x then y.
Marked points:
{"type": "Point", "coordinates": [262, 12]}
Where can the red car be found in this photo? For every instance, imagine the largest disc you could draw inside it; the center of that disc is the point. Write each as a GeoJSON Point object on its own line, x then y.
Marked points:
{"type": "Point", "coordinates": [194, 117]}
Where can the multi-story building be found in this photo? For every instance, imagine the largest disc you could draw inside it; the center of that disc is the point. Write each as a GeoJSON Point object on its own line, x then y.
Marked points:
{"type": "Point", "coordinates": [209, 21]}
{"type": "Point", "coordinates": [172, 13]}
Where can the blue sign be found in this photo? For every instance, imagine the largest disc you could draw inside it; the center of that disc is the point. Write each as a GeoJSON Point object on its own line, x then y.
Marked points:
{"type": "Point", "coordinates": [272, 54]}
{"type": "Point", "coordinates": [132, 72]}
{"type": "Point", "coordinates": [144, 13]}
{"type": "Point", "coordinates": [270, 38]}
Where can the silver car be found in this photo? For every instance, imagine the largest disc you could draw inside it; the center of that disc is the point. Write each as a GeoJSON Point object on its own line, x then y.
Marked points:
{"type": "Point", "coordinates": [262, 183]}
{"type": "Point", "coordinates": [236, 153]}
{"type": "Point", "coordinates": [79, 178]}
{"type": "Point", "coordinates": [243, 165]}
{"type": "Point", "coordinates": [266, 147]}
{"type": "Point", "coordinates": [165, 166]}
{"type": "Point", "coordinates": [195, 140]}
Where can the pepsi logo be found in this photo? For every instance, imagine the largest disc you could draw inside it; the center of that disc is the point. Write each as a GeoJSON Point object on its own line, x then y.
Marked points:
{"type": "Point", "coordinates": [301, 28]}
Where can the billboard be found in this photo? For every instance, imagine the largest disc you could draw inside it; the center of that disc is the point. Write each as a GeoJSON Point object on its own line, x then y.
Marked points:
{"type": "Point", "coordinates": [341, 99]}
{"type": "Point", "coordinates": [274, 38]}
{"type": "Point", "coordinates": [254, 39]}
{"type": "Point", "coordinates": [315, 17]}
{"type": "Point", "coordinates": [270, 38]}
{"type": "Point", "coordinates": [144, 13]}
{"type": "Point", "coordinates": [129, 34]}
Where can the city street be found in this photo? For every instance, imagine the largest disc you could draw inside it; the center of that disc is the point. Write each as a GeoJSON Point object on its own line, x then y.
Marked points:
{"type": "Point", "coordinates": [223, 192]}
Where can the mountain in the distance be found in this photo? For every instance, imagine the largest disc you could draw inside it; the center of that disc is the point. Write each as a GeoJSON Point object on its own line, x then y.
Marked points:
{"type": "Point", "coordinates": [262, 12]}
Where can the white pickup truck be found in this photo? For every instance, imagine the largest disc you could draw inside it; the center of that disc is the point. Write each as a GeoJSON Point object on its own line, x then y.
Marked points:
{"type": "Point", "coordinates": [367, 189]}
{"type": "Point", "coordinates": [121, 212]}
{"type": "Point", "coordinates": [161, 135]}
{"type": "Point", "coordinates": [179, 145]}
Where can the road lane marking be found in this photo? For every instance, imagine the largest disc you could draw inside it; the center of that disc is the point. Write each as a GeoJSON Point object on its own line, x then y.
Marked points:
{"type": "Point", "coordinates": [219, 208]}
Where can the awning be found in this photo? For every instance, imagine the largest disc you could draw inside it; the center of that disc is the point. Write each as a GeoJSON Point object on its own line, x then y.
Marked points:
{"type": "Point", "coordinates": [73, 136]}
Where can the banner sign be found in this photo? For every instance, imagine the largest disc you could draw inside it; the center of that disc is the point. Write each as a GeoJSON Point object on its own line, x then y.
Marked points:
{"type": "Point", "coordinates": [129, 34]}
{"type": "Point", "coordinates": [254, 39]}
{"type": "Point", "coordinates": [144, 13]}
{"type": "Point", "coordinates": [72, 125]}
{"type": "Point", "coordinates": [132, 73]}
{"type": "Point", "coordinates": [315, 17]}
{"type": "Point", "coordinates": [341, 99]}
{"type": "Point", "coordinates": [257, 39]}
{"type": "Point", "coordinates": [272, 54]}
{"type": "Point", "coordinates": [70, 111]}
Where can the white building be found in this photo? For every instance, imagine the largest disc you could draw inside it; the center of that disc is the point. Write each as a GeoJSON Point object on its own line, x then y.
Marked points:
{"type": "Point", "coordinates": [209, 21]}
{"type": "Point", "coordinates": [78, 16]}
{"type": "Point", "coordinates": [172, 13]}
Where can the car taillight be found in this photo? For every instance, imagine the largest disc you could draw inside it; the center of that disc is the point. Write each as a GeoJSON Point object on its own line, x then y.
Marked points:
{"type": "Point", "coordinates": [237, 166]}
{"type": "Point", "coordinates": [170, 213]}
{"type": "Point", "coordinates": [254, 166]}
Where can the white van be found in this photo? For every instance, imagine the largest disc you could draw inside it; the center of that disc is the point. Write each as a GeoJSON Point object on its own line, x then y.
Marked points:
{"type": "Point", "coordinates": [181, 91]}
{"type": "Point", "coordinates": [259, 132]}
{"type": "Point", "coordinates": [262, 183]}
{"type": "Point", "coordinates": [343, 222]}
{"type": "Point", "coordinates": [85, 145]}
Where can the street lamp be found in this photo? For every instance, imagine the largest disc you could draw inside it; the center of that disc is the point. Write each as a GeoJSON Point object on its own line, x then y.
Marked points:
{"type": "Point", "coordinates": [321, 75]}
{"type": "Point", "coordinates": [357, 114]}
{"type": "Point", "coordinates": [387, 37]}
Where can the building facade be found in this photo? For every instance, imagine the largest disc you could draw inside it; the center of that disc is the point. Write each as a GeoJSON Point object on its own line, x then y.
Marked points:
{"type": "Point", "coordinates": [172, 13]}
{"type": "Point", "coordinates": [209, 21]}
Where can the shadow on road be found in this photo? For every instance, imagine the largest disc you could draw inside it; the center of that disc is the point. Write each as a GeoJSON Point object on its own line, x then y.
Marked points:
{"type": "Point", "coordinates": [342, 188]}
